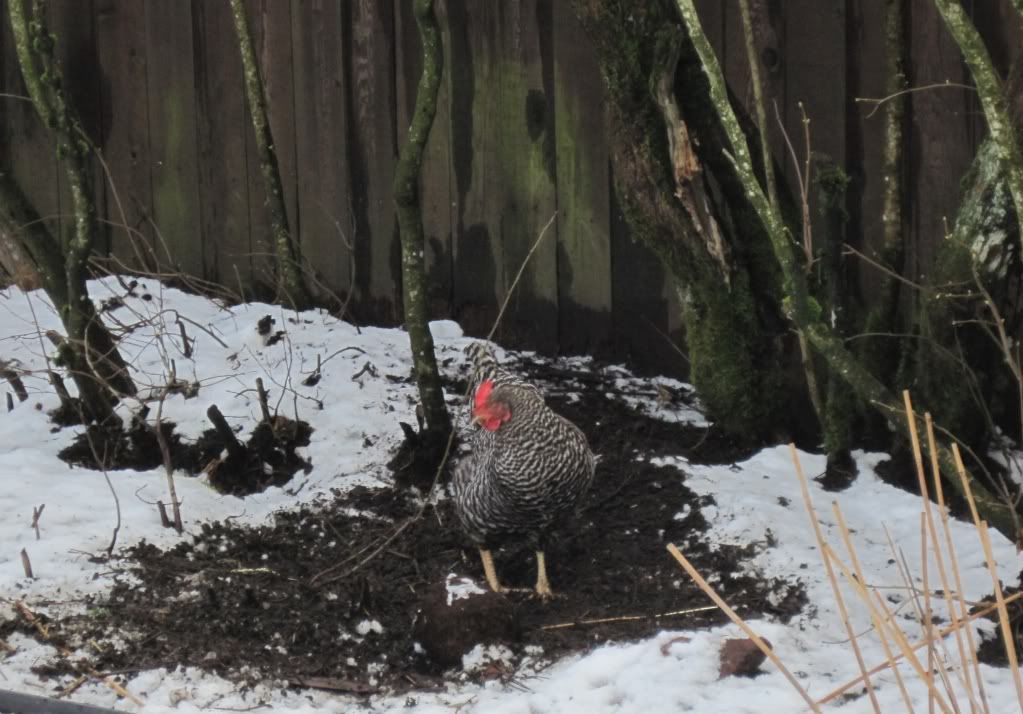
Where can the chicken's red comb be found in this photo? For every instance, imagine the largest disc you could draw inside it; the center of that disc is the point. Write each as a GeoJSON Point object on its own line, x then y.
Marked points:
{"type": "Point", "coordinates": [483, 393]}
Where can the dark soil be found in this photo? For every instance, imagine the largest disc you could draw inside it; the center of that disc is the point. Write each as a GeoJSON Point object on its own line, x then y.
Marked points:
{"type": "Point", "coordinates": [992, 648]}
{"type": "Point", "coordinates": [286, 600]}
{"type": "Point", "coordinates": [267, 459]}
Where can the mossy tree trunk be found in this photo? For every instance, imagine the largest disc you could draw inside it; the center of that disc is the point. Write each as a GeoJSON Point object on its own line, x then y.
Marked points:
{"type": "Point", "coordinates": [683, 199]}
{"type": "Point", "coordinates": [290, 286]}
{"type": "Point", "coordinates": [749, 288]}
{"type": "Point", "coordinates": [410, 223]}
{"type": "Point", "coordinates": [90, 353]}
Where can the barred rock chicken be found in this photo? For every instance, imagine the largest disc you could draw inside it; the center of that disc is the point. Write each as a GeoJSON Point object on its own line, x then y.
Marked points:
{"type": "Point", "coordinates": [527, 469]}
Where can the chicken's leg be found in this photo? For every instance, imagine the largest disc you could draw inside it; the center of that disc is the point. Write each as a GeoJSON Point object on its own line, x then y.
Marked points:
{"type": "Point", "coordinates": [543, 586]}
{"type": "Point", "coordinates": [490, 571]}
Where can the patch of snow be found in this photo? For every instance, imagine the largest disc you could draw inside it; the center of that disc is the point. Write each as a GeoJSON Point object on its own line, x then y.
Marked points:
{"type": "Point", "coordinates": [367, 626]}
{"type": "Point", "coordinates": [459, 588]}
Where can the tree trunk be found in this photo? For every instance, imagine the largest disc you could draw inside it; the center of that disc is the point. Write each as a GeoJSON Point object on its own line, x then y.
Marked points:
{"type": "Point", "coordinates": [410, 224]}
{"type": "Point", "coordinates": [683, 200]}
{"type": "Point", "coordinates": [291, 289]}
{"type": "Point", "coordinates": [90, 352]}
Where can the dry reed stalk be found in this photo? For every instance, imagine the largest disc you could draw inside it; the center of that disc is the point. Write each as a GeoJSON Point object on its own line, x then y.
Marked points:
{"type": "Point", "coordinates": [626, 618]}
{"type": "Point", "coordinates": [896, 633]}
{"type": "Point", "coordinates": [919, 645]}
{"type": "Point", "coordinates": [899, 558]}
{"type": "Point", "coordinates": [971, 650]}
{"type": "Point", "coordinates": [1003, 614]}
{"type": "Point", "coordinates": [966, 656]}
{"type": "Point", "coordinates": [918, 460]}
{"type": "Point", "coordinates": [734, 617]}
{"type": "Point", "coordinates": [879, 624]}
{"type": "Point", "coordinates": [839, 600]}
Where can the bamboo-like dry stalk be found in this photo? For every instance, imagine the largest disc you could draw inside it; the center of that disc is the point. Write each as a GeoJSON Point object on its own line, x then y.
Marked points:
{"type": "Point", "coordinates": [734, 617]}
{"type": "Point", "coordinates": [965, 656]}
{"type": "Point", "coordinates": [834, 694]}
{"type": "Point", "coordinates": [839, 600]}
{"type": "Point", "coordinates": [971, 648]}
{"type": "Point", "coordinates": [879, 624]}
{"type": "Point", "coordinates": [879, 612]}
{"type": "Point", "coordinates": [1003, 614]}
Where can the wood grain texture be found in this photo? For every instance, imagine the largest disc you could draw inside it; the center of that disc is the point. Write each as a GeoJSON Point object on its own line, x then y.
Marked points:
{"type": "Point", "coordinates": [323, 220]}
{"type": "Point", "coordinates": [373, 156]}
{"type": "Point", "coordinates": [173, 145]}
{"type": "Point", "coordinates": [584, 202]}
{"type": "Point", "coordinates": [121, 48]}
{"type": "Point", "coordinates": [270, 26]}
{"type": "Point", "coordinates": [221, 120]}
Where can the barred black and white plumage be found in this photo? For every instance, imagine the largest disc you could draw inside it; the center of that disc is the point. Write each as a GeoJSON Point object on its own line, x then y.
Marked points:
{"type": "Point", "coordinates": [485, 366]}
{"type": "Point", "coordinates": [526, 471]}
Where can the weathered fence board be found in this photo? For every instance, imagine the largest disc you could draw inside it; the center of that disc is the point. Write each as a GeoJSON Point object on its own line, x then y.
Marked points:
{"type": "Point", "coordinates": [373, 157]}
{"type": "Point", "coordinates": [222, 122]}
{"type": "Point", "coordinates": [584, 214]}
{"type": "Point", "coordinates": [323, 220]}
{"type": "Point", "coordinates": [173, 157]}
{"type": "Point", "coordinates": [121, 49]}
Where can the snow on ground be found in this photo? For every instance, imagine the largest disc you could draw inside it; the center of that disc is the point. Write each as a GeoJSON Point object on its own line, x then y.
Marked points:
{"type": "Point", "coordinates": [362, 400]}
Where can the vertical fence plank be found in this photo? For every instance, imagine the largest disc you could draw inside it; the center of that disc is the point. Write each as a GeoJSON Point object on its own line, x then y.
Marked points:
{"type": "Point", "coordinates": [584, 212]}
{"type": "Point", "coordinates": [270, 26]}
{"type": "Point", "coordinates": [222, 118]}
{"type": "Point", "coordinates": [72, 23]}
{"type": "Point", "coordinates": [324, 222]}
{"type": "Point", "coordinates": [503, 149]}
{"type": "Point", "coordinates": [865, 54]}
{"type": "Point", "coordinates": [940, 150]}
{"type": "Point", "coordinates": [435, 175]}
{"type": "Point", "coordinates": [31, 151]}
{"type": "Point", "coordinates": [121, 48]}
{"type": "Point", "coordinates": [815, 75]}
{"type": "Point", "coordinates": [373, 156]}
{"type": "Point", "coordinates": [173, 158]}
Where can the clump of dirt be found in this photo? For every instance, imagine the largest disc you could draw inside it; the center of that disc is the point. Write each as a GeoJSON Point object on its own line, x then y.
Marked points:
{"type": "Point", "coordinates": [992, 647]}
{"type": "Point", "coordinates": [109, 447]}
{"type": "Point", "coordinates": [267, 459]}
{"type": "Point", "coordinates": [329, 595]}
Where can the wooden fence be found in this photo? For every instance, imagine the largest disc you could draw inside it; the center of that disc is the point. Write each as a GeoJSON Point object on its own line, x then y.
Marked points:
{"type": "Point", "coordinates": [519, 135]}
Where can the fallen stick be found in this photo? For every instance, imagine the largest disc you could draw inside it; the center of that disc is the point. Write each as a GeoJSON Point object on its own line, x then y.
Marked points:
{"type": "Point", "coordinates": [734, 617]}
{"type": "Point", "coordinates": [627, 618]}
{"type": "Point", "coordinates": [64, 652]}
{"type": "Point", "coordinates": [945, 632]}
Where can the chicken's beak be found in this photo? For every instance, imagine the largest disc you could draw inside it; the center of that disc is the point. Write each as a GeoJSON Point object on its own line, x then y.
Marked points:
{"type": "Point", "coordinates": [477, 419]}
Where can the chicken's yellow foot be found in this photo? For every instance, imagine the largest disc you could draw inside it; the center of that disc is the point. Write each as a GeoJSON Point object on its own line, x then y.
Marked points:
{"type": "Point", "coordinates": [543, 585]}
{"type": "Point", "coordinates": [490, 571]}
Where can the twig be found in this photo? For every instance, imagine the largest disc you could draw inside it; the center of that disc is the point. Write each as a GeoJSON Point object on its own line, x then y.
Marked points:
{"type": "Point", "coordinates": [734, 617]}
{"type": "Point", "coordinates": [627, 618]}
{"type": "Point", "coordinates": [263, 405]}
{"type": "Point", "coordinates": [78, 665]}
{"type": "Point", "coordinates": [26, 565]}
{"type": "Point", "coordinates": [1008, 636]}
{"type": "Point", "coordinates": [878, 102]}
{"type": "Point", "coordinates": [37, 511]}
{"type": "Point", "coordinates": [859, 583]}
{"type": "Point", "coordinates": [839, 600]}
{"type": "Point", "coordinates": [945, 632]}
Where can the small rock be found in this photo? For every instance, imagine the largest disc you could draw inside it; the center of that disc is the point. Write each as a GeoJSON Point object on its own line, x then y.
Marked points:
{"type": "Point", "coordinates": [741, 657]}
